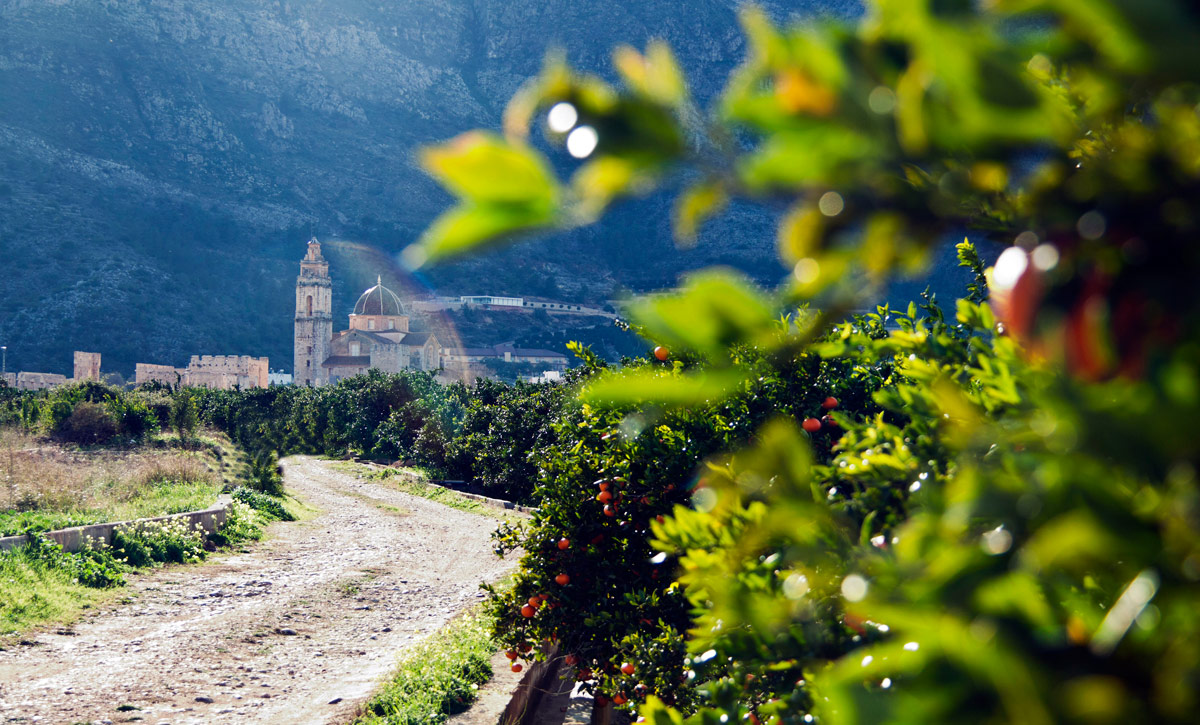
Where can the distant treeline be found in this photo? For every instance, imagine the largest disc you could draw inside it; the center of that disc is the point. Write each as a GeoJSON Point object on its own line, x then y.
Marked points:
{"type": "Point", "coordinates": [482, 434]}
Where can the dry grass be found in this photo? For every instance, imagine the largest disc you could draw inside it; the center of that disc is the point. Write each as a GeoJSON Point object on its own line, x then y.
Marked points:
{"type": "Point", "coordinates": [44, 484]}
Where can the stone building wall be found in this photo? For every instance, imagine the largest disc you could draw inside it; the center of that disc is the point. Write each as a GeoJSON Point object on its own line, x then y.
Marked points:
{"type": "Point", "coordinates": [223, 372]}
{"type": "Point", "coordinates": [314, 318]}
{"type": "Point", "coordinates": [87, 365]}
{"type": "Point", "coordinates": [388, 358]}
{"type": "Point", "coordinates": [39, 381]}
{"type": "Point", "coordinates": [165, 374]}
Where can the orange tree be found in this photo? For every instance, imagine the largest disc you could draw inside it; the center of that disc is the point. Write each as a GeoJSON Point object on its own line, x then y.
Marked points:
{"type": "Point", "coordinates": [589, 579]}
{"type": "Point", "coordinates": [1045, 566]}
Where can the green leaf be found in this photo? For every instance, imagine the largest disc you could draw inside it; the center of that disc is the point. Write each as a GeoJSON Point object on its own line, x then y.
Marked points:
{"type": "Point", "coordinates": [696, 205]}
{"type": "Point", "coordinates": [640, 386]}
{"type": "Point", "coordinates": [504, 187]}
{"type": "Point", "coordinates": [465, 228]}
{"type": "Point", "coordinates": [655, 76]}
{"type": "Point", "coordinates": [713, 310]}
{"type": "Point", "coordinates": [485, 168]}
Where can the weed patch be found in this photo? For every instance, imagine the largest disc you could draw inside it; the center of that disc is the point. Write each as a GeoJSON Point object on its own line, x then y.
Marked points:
{"type": "Point", "coordinates": [437, 678]}
{"type": "Point", "coordinates": [413, 483]}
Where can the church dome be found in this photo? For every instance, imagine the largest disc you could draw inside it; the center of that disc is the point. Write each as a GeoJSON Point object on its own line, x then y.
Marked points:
{"type": "Point", "coordinates": [378, 300]}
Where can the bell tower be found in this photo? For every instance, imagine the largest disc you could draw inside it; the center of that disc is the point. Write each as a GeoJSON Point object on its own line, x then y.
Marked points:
{"type": "Point", "coordinates": [314, 317]}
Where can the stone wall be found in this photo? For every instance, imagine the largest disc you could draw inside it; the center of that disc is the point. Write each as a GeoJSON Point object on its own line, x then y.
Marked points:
{"type": "Point", "coordinates": [39, 381]}
{"type": "Point", "coordinates": [389, 358]}
{"type": "Point", "coordinates": [87, 365]}
{"type": "Point", "coordinates": [223, 372]}
{"type": "Point", "coordinates": [165, 374]}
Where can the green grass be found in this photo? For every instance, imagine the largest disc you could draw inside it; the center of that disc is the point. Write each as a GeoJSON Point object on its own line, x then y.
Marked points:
{"type": "Point", "coordinates": [436, 678]}
{"type": "Point", "coordinates": [412, 482]}
{"type": "Point", "coordinates": [159, 499]}
{"type": "Point", "coordinates": [32, 592]}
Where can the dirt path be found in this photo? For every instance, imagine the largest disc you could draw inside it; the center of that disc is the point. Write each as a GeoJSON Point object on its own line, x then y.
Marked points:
{"type": "Point", "coordinates": [298, 630]}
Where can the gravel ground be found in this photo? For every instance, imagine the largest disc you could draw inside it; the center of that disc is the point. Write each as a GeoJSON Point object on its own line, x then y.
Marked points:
{"type": "Point", "coordinates": [299, 629]}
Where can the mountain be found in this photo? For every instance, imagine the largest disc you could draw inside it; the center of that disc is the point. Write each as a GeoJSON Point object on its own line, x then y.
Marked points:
{"type": "Point", "coordinates": [162, 162]}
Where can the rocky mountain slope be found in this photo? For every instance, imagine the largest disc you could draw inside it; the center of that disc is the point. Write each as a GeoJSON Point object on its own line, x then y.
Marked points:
{"type": "Point", "coordinates": [162, 162]}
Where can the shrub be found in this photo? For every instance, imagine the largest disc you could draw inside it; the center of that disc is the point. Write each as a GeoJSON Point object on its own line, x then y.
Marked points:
{"type": "Point", "coordinates": [243, 523]}
{"type": "Point", "coordinates": [88, 424]}
{"type": "Point", "coordinates": [93, 566]}
{"type": "Point", "coordinates": [264, 504]}
{"type": "Point", "coordinates": [265, 474]}
{"type": "Point", "coordinates": [159, 404]}
{"type": "Point", "coordinates": [151, 542]}
{"type": "Point", "coordinates": [184, 416]}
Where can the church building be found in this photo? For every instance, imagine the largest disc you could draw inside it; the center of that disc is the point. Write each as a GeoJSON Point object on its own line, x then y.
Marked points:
{"type": "Point", "coordinates": [378, 336]}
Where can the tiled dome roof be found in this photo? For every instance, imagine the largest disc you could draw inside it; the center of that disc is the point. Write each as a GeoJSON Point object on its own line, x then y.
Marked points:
{"type": "Point", "coordinates": [378, 300]}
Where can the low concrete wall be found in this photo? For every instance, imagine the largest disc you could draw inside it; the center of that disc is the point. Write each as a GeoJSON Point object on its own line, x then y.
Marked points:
{"type": "Point", "coordinates": [73, 539]}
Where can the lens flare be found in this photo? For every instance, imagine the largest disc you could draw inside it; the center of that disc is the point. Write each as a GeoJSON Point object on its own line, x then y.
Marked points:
{"type": "Point", "coordinates": [582, 142]}
{"type": "Point", "coordinates": [562, 117]}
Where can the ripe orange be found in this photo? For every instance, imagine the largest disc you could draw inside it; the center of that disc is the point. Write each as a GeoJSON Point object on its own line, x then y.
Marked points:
{"type": "Point", "coordinates": [604, 485]}
{"type": "Point", "coordinates": [517, 667]}
{"type": "Point", "coordinates": [562, 579]}
{"type": "Point", "coordinates": [627, 668]}
{"type": "Point", "coordinates": [620, 699]}
{"type": "Point", "coordinates": [830, 403]}
{"type": "Point", "coordinates": [609, 511]}
{"type": "Point", "coordinates": [604, 497]}
{"type": "Point", "coordinates": [511, 654]}
{"type": "Point", "coordinates": [564, 544]}
{"type": "Point", "coordinates": [812, 425]}
{"type": "Point", "coordinates": [528, 611]}
{"type": "Point", "coordinates": [662, 353]}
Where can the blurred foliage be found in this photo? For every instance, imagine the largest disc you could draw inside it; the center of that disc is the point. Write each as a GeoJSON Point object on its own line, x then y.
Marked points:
{"type": "Point", "coordinates": [1011, 536]}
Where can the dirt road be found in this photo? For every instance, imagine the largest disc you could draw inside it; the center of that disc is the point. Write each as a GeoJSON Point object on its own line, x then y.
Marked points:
{"type": "Point", "coordinates": [297, 630]}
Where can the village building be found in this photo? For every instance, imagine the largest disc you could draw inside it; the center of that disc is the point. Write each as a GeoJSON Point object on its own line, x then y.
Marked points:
{"type": "Point", "coordinates": [378, 336]}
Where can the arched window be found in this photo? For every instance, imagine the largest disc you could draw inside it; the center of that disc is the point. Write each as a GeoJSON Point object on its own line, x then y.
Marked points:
{"type": "Point", "coordinates": [310, 305]}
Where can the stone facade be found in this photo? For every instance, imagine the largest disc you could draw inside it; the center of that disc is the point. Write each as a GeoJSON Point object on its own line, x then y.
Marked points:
{"type": "Point", "coordinates": [314, 318]}
{"type": "Point", "coordinates": [220, 372]}
{"type": "Point", "coordinates": [39, 381]}
{"type": "Point", "coordinates": [165, 374]}
{"type": "Point", "coordinates": [378, 336]}
{"type": "Point", "coordinates": [224, 372]}
{"type": "Point", "coordinates": [87, 366]}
